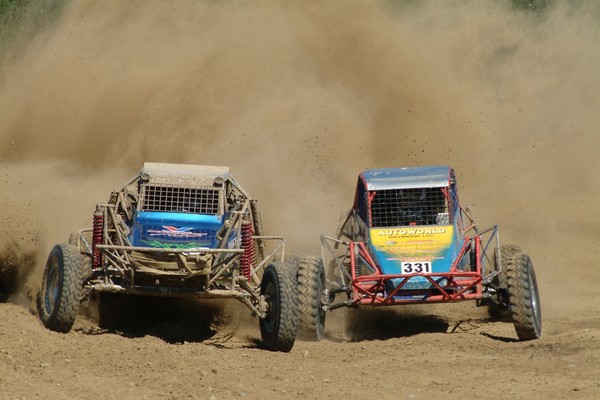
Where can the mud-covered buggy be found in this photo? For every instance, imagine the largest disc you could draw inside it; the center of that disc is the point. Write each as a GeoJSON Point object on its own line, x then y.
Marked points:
{"type": "Point", "coordinates": [407, 240]}
{"type": "Point", "coordinates": [176, 230]}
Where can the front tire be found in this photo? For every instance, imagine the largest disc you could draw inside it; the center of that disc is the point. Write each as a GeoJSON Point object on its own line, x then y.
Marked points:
{"type": "Point", "coordinates": [278, 328]}
{"type": "Point", "coordinates": [524, 297]}
{"type": "Point", "coordinates": [60, 294]}
{"type": "Point", "coordinates": [499, 309]}
{"type": "Point", "coordinates": [311, 283]}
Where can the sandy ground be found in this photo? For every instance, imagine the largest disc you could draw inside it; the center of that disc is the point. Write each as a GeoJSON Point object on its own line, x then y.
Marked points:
{"type": "Point", "coordinates": [416, 357]}
{"type": "Point", "coordinates": [297, 98]}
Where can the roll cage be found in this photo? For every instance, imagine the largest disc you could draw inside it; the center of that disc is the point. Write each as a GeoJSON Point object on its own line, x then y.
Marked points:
{"type": "Point", "coordinates": [414, 207]}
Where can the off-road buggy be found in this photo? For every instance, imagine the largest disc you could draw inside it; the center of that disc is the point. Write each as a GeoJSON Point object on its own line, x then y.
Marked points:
{"type": "Point", "coordinates": [408, 240]}
{"type": "Point", "coordinates": [176, 230]}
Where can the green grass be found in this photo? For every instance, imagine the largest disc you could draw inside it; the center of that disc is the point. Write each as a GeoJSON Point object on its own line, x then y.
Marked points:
{"type": "Point", "coordinates": [21, 20]}
{"type": "Point", "coordinates": [531, 4]}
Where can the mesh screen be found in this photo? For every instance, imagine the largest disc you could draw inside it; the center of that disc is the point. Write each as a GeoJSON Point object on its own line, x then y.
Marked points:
{"type": "Point", "coordinates": [402, 207]}
{"type": "Point", "coordinates": [180, 199]}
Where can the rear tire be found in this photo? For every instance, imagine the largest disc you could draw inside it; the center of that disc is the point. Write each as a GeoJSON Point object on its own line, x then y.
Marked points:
{"type": "Point", "coordinates": [60, 294]}
{"type": "Point", "coordinates": [524, 297]}
{"type": "Point", "coordinates": [278, 328]}
{"type": "Point", "coordinates": [86, 262]}
{"type": "Point", "coordinates": [311, 282]}
{"type": "Point", "coordinates": [74, 238]}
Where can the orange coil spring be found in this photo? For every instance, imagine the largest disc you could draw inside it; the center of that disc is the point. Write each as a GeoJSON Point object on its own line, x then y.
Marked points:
{"type": "Point", "coordinates": [249, 256]}
{"type": "Point", "coordinates": [97, 237]}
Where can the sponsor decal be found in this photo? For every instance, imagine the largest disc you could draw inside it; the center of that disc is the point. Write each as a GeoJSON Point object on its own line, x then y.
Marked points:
{"type": "Point", "coordinates": [183, 245]}
{"type": "Point", "coordinates": [411, 231]}
{"type": "Point", "coordinates": [432, 258]}
{"type": "Point", "coordinates": [408, 244]}
{"type": "Point", "coordinates": [173, 232]}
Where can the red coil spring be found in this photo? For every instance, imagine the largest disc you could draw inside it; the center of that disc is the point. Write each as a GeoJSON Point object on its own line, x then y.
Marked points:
{"type": "Point", "coordinates": [249, 256]}
{"type": "Point", "coordinates": [97, 236]}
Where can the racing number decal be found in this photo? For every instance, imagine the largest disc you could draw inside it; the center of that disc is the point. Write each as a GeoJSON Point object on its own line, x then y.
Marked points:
{"type": "Point", "coordinates": [416, 267]}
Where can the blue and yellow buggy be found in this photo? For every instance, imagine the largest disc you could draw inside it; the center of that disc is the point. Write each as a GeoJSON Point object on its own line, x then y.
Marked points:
{"type": "Point", "coordinates": [408, 240]}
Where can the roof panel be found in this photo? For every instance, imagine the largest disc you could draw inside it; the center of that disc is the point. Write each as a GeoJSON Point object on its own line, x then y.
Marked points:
{"type": "Point", "coordinates": [162, 172]}
{"type": "Point", "coordinates": [406, 178]}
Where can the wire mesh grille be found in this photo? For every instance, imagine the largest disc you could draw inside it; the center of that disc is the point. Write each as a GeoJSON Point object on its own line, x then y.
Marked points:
{"type": "Point", "coordinates": [402, 207]}
{"type": "Point", "coordinates": [180, 199]}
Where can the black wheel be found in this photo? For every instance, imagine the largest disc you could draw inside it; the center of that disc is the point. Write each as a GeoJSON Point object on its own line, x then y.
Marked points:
{"type": "Point", "coordinates": [499, 309]}
{"type": "Point", "coordinates": [60, 294]}
{"type": "Point", "coordinates": [278, 328]}
{"type": "Point", "coordinates": [311, 282]}
{"type": "Point", "coordinates": [86, 262]}
{"type": "Point", "coordinates": [524, 297]}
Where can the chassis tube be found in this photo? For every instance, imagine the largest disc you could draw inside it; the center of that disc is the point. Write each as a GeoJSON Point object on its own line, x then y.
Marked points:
{"type": "Point", "coordinates": [167, 250]}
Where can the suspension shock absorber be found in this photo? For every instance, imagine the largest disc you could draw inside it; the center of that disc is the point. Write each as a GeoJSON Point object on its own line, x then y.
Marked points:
{"type": "Point", "coordinates": [97, 237]}
{"type": "Point", "coordinates": [249, 256]}
{"type": "Point", "coordinates": [358, 262]}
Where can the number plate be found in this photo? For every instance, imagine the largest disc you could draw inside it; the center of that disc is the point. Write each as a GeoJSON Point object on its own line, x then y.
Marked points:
{"type": "Point", "coordinates": [416, 267]}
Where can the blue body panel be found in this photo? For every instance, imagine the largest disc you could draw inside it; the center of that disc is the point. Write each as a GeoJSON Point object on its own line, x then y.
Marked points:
{"type": "Point", "coordinates": [175, 230]}
{"type": "Point", "coordinates": [437, 245]}
{"type": "Point", "coordinates": [413, 226]}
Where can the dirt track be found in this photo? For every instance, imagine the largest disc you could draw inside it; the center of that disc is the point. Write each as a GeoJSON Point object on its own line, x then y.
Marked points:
{"type": "Point", "coordinates": [506, 98]}
{"type": "Point", "coordinates": [416, 357]}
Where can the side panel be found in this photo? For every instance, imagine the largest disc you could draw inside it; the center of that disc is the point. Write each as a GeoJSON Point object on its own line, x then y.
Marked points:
{"type": "Point", "coordinates": [175, 230]}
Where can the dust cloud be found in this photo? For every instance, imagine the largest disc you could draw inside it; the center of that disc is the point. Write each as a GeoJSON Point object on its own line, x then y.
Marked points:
{"type": "Point", "coordinates": [297, 98]}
